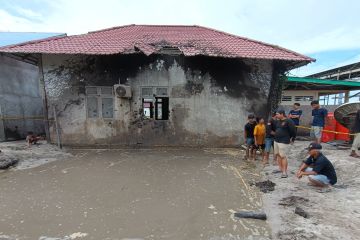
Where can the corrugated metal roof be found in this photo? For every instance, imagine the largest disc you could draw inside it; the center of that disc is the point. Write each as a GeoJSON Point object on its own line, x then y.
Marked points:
{"type": "Point", "coordinates": [324, 82]}
{"type": "Point", "coordinates": [149, 39]}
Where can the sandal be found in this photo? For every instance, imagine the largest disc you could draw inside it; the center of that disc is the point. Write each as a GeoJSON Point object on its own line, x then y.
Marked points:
{"type": "Point", "coordinates": [284, 175]}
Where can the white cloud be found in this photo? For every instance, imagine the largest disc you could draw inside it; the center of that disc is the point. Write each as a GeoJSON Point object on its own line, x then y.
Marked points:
{"type": "Point", "coordinates": [306, 26]}
{"type": "Point", "coordinates": [27, 13]}
{"type": "Point", "coordinates": [12, 23]}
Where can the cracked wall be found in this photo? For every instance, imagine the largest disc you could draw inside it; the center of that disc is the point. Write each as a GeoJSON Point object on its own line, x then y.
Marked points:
{"type": "Point", "coordinates": [209, 98]}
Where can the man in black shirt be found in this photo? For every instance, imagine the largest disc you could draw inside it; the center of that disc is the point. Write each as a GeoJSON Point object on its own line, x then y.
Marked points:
{"type": "Point", "coordinates": [249, 136]}
{"type": "Point", "coordinates": [284, 134]}
{"type": "Point", "coordinates": [320, 170]}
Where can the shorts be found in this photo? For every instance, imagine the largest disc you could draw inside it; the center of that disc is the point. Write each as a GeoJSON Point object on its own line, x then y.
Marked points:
{"type": "Point", "coordinates": [250, 142]}
{"type": "Point", "coordinates": [320, 178]}
{"type": "Point", "coordinates": [268, 144]}
{"type": "Point", "coordinates": [316, 132]}
{"type": "Point", "coordinates": [356, 143]}
{"type": "Point", "coordinates": [281, 149]}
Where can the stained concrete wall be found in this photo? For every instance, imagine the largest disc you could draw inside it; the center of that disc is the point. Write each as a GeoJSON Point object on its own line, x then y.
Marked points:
{"type": "Point", "coordinates": [209, 98]}
{"type": "Point", "coordinates": [19, 97]}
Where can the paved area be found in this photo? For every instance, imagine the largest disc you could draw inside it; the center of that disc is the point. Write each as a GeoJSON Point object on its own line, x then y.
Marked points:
{"type": "Point", "coordinates": [132, 194]}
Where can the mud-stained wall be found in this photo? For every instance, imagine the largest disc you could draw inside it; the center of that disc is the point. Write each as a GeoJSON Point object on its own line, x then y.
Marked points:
{"type": "Point", "coordinates": [19, 98]}
{"type": "Point", "coordinates": [209, 98]}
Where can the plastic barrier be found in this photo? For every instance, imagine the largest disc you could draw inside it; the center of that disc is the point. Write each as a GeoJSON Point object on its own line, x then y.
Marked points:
{"type": "Point", "coordinates": [342, 129]}
{"type": "Point", "coordinates": [330, 126]}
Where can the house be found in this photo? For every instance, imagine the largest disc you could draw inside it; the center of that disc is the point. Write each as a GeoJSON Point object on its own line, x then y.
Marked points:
{"type": "Point", "coordinates": [332, 88]}
{"type": "Point", "coordinates": [156, 85]}
{"type": "Point", "coordinates": [20, 100]}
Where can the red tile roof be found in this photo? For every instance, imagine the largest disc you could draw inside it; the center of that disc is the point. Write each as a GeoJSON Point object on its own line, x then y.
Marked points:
{"type": "Point", "coordinates": [191, 40]}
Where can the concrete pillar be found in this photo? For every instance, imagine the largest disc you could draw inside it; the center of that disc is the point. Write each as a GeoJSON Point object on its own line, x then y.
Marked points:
{"type": "Point", "coordinates": [347, 93]}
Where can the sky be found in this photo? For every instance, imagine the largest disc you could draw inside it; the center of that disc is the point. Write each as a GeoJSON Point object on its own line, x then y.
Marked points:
{"type": "Point", "coordinates": [328, 30]}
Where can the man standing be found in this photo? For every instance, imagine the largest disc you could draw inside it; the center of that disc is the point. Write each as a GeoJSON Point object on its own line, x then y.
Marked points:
{"type": "Point", "coordinates": [356, 131]}
{"type": "Point", "coordinates": [320, 170]}
{"type": "Point", "coordinates": [295, 115]}
{"type": "Point", "coordinates": [284, 134]}
{"type": "Point", "coordinates": [318, 123]}
{"type": "Point", "coordinates": [249, 137]}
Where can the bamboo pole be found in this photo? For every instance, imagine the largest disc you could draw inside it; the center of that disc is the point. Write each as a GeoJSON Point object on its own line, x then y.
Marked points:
{"type": "Point", "coordinates": [57, 128]}
{"type": "Point", "coordinates": [44, 98]}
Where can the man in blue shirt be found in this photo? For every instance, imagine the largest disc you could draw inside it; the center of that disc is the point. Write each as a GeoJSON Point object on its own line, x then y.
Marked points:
{"type": "Point", "coordinates": [318, 123]}
{"type": "Point", "coordinates": [320, 170]}
{"type": "Point", "coordinates": [295, 115]}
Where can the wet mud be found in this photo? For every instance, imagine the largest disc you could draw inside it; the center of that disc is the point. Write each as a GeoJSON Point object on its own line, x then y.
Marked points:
{"type": "Point", "coordinates": [132, 194]}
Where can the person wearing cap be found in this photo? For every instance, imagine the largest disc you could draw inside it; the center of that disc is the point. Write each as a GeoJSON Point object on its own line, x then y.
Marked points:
{"type": "Point", "coordinates": [320, 170]}
{"type": "Point", "coordinates": [319, 120]}
{"type": "Point", "coordinates": [249, 136]}
{"type": "Point", "coordinates": [284, 135]}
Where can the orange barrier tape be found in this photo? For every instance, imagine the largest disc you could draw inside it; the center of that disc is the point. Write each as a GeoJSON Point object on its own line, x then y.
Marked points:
{"type": "Point", "coordinates": [329, 131]}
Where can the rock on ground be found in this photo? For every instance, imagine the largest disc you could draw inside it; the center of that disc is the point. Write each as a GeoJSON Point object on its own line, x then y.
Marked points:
{"type": "Point", "coordinates": [19, 155]}
{"type": "Point", "coordinates": [7, 160]}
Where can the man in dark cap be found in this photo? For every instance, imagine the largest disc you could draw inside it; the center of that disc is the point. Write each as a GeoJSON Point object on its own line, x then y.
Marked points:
{"type": "Point", "coordinates": [320, 170]}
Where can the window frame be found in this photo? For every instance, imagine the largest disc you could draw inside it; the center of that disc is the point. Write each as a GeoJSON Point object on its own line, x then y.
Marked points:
{"type": "Point", "coordinates": [303, 98]}
{"type": "Point", "coordinates": [99, 96]}
{"type": "Point", "coordinates": [154, 98]}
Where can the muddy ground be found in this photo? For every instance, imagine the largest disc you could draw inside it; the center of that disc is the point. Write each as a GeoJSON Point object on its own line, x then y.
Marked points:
{"type": "Point", "coordinates": [138, 194]}
{"type": "Point", "coordinates": [128, 194]}
{"type": "Point", "coordinates": [332, 215]}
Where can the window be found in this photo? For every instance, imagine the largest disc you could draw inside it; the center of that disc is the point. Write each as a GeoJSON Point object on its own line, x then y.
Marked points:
{"type": "Point", "coordinates": [92, 107]}
{"type": "Point", "coordinates": [161, 91]}
{"type": "Point", "coordinates": [107, 107]}
{"type": "Point", "coordinates": [99, 102]}
{"type": "Point", "coordinates": [147, 92]}
{"type": "Point", "coordinates": [286, 98]}
{"type": "Point", "coordinates": [303, 98]}
{"type": "Point", "coordinates": [155, 107]}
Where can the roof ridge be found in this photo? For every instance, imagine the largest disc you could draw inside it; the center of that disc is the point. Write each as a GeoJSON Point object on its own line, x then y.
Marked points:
{"type": "Point", "coordinates": [140, 25]}
{"type": "Point", "coordinates": [111, 28]}
{"type": "Point", "coordinates": [62, 35]}
{"type": "Point", "coordinates": [257, 41]}
{"type": "Point", "coordinates": [211, 29]}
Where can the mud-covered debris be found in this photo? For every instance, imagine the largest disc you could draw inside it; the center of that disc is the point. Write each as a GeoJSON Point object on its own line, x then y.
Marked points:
{"type": "Point", "coordinates": [301, 212]}
{"type": "Point", "coordinates": [266, 186]}
{"type": "Point", "coordinates": [7, 161]}
{"type": "Point", "coordinates": [251, 214]}
{"type": "Point", "coordinates": [293, 201]}
{"type": "Point", "coordinates": [296, 234]}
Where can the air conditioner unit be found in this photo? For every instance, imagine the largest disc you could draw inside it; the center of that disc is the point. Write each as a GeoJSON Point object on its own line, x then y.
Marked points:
{"type": "Point", "coordinates": [122, 91]}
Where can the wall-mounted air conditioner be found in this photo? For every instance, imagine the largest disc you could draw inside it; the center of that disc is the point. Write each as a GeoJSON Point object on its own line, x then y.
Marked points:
{"type": "Point", "coordinates": [122, 91]}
